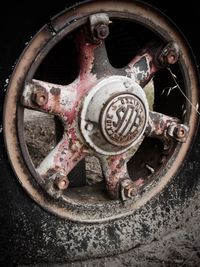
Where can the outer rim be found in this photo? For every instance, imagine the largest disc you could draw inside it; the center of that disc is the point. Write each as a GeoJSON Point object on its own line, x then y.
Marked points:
{"type": "Point", "coordinates": [27, 59]}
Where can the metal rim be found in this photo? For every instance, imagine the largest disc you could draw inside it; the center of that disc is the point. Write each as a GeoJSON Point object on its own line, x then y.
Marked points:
{"type": "Point", "coordinates": [38, 48]}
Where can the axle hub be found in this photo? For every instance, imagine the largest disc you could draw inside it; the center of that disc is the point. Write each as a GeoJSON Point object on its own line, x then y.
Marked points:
{"type": "Point", "coordinates": [114, 115]}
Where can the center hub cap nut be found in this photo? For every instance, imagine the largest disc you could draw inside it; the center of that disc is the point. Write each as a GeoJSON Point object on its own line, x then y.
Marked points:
{"type": "Point", "coordinates": [117, 111]}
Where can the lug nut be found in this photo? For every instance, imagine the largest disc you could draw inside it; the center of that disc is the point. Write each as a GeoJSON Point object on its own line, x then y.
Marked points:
{"type": "Point", "coordinates": [180, 132]}
{"type": "Point", "coordinates": [128, 188]}
{"type": "Point", "coordinates": [101, 31]}
{"type": "Point", "coordinates": [40, 96]}
{"type": "Point", "coordinates": [130, 192]}
{"type": "Point", "coordinates": [169, 55]}
{"type": "Point", "coordinates": [171, 59]}
{"type": "Point", "coordinates": [61, 182]}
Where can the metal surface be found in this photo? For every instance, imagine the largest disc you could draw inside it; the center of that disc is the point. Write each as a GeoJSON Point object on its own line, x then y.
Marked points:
{"type": "Point", "coordinates": [99, 26]}
{"type": "Point", "coordinates": [94, 112]}
{"type": "Point", "coordinates": [123, 119]}
{"type": "Point", "coordinates": [179, 131]}
{"type": "Point", "coordinates": [169, 55]}
{"type": "Point", "coordinates": [75, 100]}
{"type": "Point", "coordinates": [166, 128]}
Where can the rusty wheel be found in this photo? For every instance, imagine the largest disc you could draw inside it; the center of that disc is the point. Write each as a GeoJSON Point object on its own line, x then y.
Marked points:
{"type": "Point", "coordinates": [119, 86]}
{"type": "Point", "coordinates": [104, 109]}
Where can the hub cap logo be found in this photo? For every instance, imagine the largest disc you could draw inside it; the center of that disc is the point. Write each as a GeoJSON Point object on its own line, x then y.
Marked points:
{"type": "Point", "coordinates": [123, 120]}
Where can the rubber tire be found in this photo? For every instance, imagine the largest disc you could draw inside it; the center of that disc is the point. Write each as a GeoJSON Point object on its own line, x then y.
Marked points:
{"type": "Point", "coordinates": [29, 234]}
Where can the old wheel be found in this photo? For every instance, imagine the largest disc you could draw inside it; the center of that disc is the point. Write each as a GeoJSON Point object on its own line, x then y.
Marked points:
{"type": "Point", "coordinates": [120, 87]}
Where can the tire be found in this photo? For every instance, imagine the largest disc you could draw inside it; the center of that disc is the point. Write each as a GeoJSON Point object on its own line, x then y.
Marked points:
{"type": "Point", "coordinates": [38, 224]}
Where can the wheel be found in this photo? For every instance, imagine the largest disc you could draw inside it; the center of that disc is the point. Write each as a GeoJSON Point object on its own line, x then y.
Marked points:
{"type": "Point", "coordinates": [99, 116]}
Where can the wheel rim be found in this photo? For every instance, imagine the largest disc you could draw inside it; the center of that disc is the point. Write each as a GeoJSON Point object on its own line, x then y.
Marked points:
{"type": "Point", "coordinates": [73, 205]}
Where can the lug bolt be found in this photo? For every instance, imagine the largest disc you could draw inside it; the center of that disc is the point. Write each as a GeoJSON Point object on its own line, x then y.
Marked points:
{"type": "Point", "coordinates": [128, 188]}
{"type": "Point", "coordinates": [40, 96]}
{"type": "Point", "coordinates": [180, 132]}
{"type": "Point", "coordinates": [130, 192]}
{"type": "Point", "coordinates": [61, 182]}
{"type": "Point", "coordinates": [169, 55]}
{"type": "Point", "coordinates": [171, 59]}
{"type": "Point", "coordinates": [101, 31]}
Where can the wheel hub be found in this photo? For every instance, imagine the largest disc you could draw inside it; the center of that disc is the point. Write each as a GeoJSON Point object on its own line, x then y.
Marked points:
{"type": "Point", "coordinates": [114, 115]}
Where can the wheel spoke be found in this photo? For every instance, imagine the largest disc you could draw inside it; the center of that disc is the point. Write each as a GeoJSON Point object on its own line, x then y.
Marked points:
{"type": "Point", "coordinates": [150, 59]}
{"type": "Point", "coordinates": [166, 128]}
{"type": "Point", "coordinates": [62, 159]}
{"type": "Point", "coordinates": [93, 59]}
{"type": "Point", "coordinates": [51, 98]}
{"type": "Point", "coordinates": [118, 182]}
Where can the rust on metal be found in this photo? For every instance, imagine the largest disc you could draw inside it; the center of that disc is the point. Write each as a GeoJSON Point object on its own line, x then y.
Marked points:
{"type": "Point", "coordinates": [39, 96]}
{"type": "Point", "coordinates": [167, 129]}
{"type": "Point", "coordinates": [168, 55]}
{"type": "Point", "coordinates": [99, 26]}
{"type": "Point", "coordinates": [142, 67]}
{"type": "Point", "coordinates": [67, 106]}
{"type": "Point", "coordinates": [123, 118]}
{"type": "Point", "coordinates": [114, 171]}
{"type": "Point", "coordinates": [101, 31]}
{"type": "Point", "coordinates": [179, 132]}
{"type": "Point", "coordinates": [130, 189]}
{"type": "Point", "coordinates": [150, 59]}
{"type": "Point", "coordinates": [61, 182]}
{"type": "Point", "coordinates": [118, 183]}
{"type": "Point", "coordinates": [159, 124]}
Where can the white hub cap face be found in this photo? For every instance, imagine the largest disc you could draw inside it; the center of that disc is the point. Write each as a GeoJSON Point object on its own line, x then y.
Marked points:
{"type": "Point", "coordinates": [114, 115]}
{"type": "Point", "coordinates": [123, 119]}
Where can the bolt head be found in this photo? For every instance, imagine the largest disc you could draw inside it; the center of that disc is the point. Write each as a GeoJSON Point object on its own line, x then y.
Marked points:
{"type": "Point", "coordinates": [171, 59]}
{"type": "Point", "coordinates": [61, 182]}
{"type": "Point", "coordinates": [131, 192]}
{"type": "Point", "coordinates": [101, 31]}
{"type": "Point", "coordinates": [40, 97]}
{"type": "Point", "coordinates": [169, 55]}
{"type": "Point", "coordinates": [180, 132]}
{"type": "Point", "coordinates": [128, 188]}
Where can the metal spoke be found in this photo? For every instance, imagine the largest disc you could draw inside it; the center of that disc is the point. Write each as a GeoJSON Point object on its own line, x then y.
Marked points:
{"type": "Point", "coordinates": [166, 128]}
{"type": "Point", "coordinates": [51, 98]}
{"type": "Point", "coordinates": [118, 182]}
{"type": "Point", "coordinates": [93, 59]}
{"type": "Point", "coordinates": [54, 169]}
{"type": "Point", "coordinates": [150, 59]}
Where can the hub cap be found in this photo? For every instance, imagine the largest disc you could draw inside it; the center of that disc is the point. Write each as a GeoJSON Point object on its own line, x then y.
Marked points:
{"type": "Point", "coordinates": [114, 115]}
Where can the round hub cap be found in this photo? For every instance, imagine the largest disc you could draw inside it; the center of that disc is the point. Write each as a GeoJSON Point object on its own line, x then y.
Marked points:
{"type": "Point", "coordinates": [114, 115]}
{"type": "Point", "coordinates": [123, 119]}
